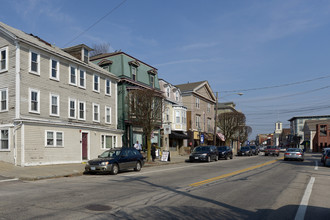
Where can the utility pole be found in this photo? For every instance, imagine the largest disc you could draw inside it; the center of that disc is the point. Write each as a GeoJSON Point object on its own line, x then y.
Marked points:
{"type": "Point", "coordinates": [215, 121]}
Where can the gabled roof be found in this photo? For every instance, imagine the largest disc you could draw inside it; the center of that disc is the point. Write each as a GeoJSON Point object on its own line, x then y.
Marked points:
{"type": "Point", "coordinates": [40, 44]}
{"type": "Point", "coordinates": [194, 87]}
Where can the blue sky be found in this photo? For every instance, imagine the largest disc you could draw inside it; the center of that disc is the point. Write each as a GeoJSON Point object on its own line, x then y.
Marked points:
{"type": "Point", "coordinates": [278, 52]}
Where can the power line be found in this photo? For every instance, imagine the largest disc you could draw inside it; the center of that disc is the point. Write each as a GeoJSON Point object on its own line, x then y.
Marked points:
{"type": "Point", "coordinates": [277, 86]}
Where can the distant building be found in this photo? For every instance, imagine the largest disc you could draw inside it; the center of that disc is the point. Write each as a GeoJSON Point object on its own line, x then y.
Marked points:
{"type": "Point", "coordinates": [310, 130]}
{"type": "Point", "coordinates": [277, 133]}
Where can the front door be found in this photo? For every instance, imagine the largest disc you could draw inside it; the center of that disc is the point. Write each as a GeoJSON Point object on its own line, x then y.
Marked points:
{"type": "Point", "coordinates": [84, 146]}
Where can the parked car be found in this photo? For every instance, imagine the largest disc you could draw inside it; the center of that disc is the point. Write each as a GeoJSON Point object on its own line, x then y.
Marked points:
{"type": "Point", "coordinates": [115, 160]}
{"type": "Point", "coordinates": [272, 150]}
{"type": "Point", "coordinates": [255, 150]}
{"type": "Point", "coordinates": [294, 154]}
{"type": "Point", "coordinates": [225, 152]}
{"type": "Point", "coordinates": [204, 153]}
{"type": "Point", "coordinates": [327, 159]}
{"type": "Point", "coordinates": [324, 152]}
{"type": "Point", "coordinates": [261, 148]}
{"type": "Point", "coordinates": [245, 151]}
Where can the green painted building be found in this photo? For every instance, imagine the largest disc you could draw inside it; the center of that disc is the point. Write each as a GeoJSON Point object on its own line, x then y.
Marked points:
{"type": "Point", "coordinates": [132, 73]}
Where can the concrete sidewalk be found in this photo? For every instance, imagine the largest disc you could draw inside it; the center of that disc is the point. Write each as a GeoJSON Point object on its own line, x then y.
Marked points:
{"type": "Point", "coordinates": [9, 171]}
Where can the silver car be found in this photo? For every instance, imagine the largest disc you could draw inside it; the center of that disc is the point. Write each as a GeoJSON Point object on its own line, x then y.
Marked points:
{"type": "Point", "coordinates": [294, 154]}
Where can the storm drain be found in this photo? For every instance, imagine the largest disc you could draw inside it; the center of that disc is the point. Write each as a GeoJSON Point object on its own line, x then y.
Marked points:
{"type": "Point", "coordinates": [98, 208]}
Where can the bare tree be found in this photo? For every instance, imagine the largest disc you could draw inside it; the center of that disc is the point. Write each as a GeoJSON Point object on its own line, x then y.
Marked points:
{"type": "Point", "coordinates": [100, 48]}
{"type": "Point", "coordinates": [243, 133]}
{"type": "Point", "coordinates": [145, 111]}
{"type": "Point", "coordinates": [231, 124]}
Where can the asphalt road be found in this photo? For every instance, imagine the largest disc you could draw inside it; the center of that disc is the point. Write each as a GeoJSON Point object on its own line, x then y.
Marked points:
{"type": "Point", "coordinates": [255, 187]}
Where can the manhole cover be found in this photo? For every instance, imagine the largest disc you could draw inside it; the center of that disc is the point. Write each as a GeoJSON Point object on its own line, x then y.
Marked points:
{"type": "Point", "coordinates": [98, 207]}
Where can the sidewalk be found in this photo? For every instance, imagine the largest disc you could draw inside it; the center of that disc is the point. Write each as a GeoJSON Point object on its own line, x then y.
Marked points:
{"type": "Point", "coordinates": [10, 171]}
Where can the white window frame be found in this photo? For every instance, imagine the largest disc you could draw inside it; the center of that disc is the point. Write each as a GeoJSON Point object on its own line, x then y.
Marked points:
{"type": "Point", "coordinates": [54, 139]}
{"type": "Point", "coordinates": [8, 139]}
{"type": "Point", "coordinates": [51, 95]}
{"type": "Point", "coordinates": [197, 102]}
{"type": "Point", "coordinates": [152, 81]}
{"type": "Point", "coordinates": [38, 100]}
{"type": "Point", "coordinates": [106, 87]}
{"type": "Point", "coordinates": [79, 83]}
{"type": "Point", "coordinates": [107, 121]}
{"type": "Point", "coordinates": [208, 107]}
{"type": "Point", "coordinates": [177, 96]}
{"type": "Point", "coordinates": [75, 75]}
{"type": "Point", "coordinates": [96, 83]}
{"type": "Point", "coordinates": [84, 103]}
{"type": "Point", "coordinates": [75, 108]}
{"type": "Point", "coordinates": [6, 59]}
{"type": "Point", "coordinates": [57, 78]}
{"type": "Point", "coordinates": [134, 73]}
{"type": "Point", "coordinates": [198, 119]}
{"type": "Point", "coordinates": [177, 117]}
{"type": "Point", "coordinates": [103, 138]}
{"type": "Point", "coordinates": [6, 99]}
{"type": "Point", "coordinates": [98, 112]}
{"type": "Point", "coordinates": [38, 62]}
{"type": "Point", "coordinates": [168, 92]}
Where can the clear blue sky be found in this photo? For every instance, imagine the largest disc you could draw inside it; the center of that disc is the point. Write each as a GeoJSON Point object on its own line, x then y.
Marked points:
{"type": "Point", "coordinates": [278, 51]}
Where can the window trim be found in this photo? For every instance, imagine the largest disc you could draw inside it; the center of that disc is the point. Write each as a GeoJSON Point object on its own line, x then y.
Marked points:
{"type": "Point", "coordinates": [98, 83]}
{"type": "Point", "coordinates": [197, 103]}
{"type": "Point", "coordinates": [5, 110]}
{"type": "Point", "coordinates": [135, 72]}
{"type": "Point", "coordinates": [57, 78]}
{"type": "Point", "coordinates": [79, 118]}
{"type": "Point", "coordinates": [54, 139]}
{"type": "Point", "coordinates": [38, 62]}
{"type": "Point", "coordinates": [105, 87]}
{"type": "Point", "coordinates": [51, 95]}
{"type": "Point", "coordinates": [75, 83]}
{"type": "Point", "coordinates": [106, 115]}
{"type": "Point", "coordinates": [98, 112]}
{"type": "Point", "coordinates": [6, 60]}
{"type": "Point", "coordinates": [103, 137]}
{"type": "Point", "coordinates": [75, 108]}
{"type": "Point", "coordinates": [30, 100]}
{"type": "Point", "coordinates": [152, 82]}
{"type": "Point", "coordinates": [8, 149]}
{"type": "Point", "coordinates": [79, 83]}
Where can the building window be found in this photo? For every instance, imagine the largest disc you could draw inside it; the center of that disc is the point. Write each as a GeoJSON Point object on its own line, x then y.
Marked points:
{"type": "Point", "coordinates": [72, 108]}
{"type": "Point", "coordinates": [4, 139]}
{"type": "Point", "coordinates": [96, 112]}
{"type": "Point", "coordinates": [323, 130]}
{"type": "Point", "coordinates": [82, 110]}
{"type": "Point", "coordinates": [107, 115]}
{"type": "Point", "coordinates": [198, 119]}
{"type": "Point", "coordinates": [3, 100]}
{"type": "Point", "coordinates": [107, 87]}
{"type": "Point", "coordinates": [86, 55]}
{"type": "Point", "coordinates": [54, 105]}
{"type": "Point", "coordinates": [3, 59]}
{"type": "Point", "coordinates": [177, 96]}
{"type": "Point", "coordinates": [184, 117]}
{"type": "Point", "coordinates": [168, 92]}
{"type": "Point", "coordinates": [96, 83]}
{"type": "Point", "coordinates": [34, 103]}
{"type": "Point", "coordinates": [133, 69]}
{"type": "Point", "coordinates": [167, 114]}
{"type": "Point", "coordinates": [54, 69]}
{"type": "Point", "coordinates": [34, 63]}
{"type": "Point", "coordinates": [54, 139]}
{"type": "Point", "coordinates": [108, 141]}
{"type": "Point", "coordinates": [177, 117]}
{"type": "Point", "coordinates": [152, 81]}
{"type": "Point", "coordinates": [209, 128]}
{"type": "Point", "coordinates": [208, 107]}
{"type": "Point", "coordinates": [82, 77]}
{"type": "Point", "coordinates": [73, 75]}
{"type": "Point", "coordinates": [197, 102]}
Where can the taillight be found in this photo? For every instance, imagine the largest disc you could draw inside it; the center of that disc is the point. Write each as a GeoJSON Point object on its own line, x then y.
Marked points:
{"type": "Point", "coordinates": [287, 153]}
{"type": "Point", "coordinates": [326, 157]}
{"type": "Point", "coordinates": [298, 153]}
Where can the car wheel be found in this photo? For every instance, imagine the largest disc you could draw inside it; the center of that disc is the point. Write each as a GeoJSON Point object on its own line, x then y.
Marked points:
{"type": "Point", "coordinates": [137, 166]}
{"type": "Point", "coordinates": [216, 158]}
{"type": "Point", "coordinates": [208, 159]}
{"type": "Point", "coordinates": [226, 157]}
{"type": "Point", "coordinates": [302, 160]}
{"type": "Point", "coordinates": [231, 156]}
{"type": "Point", "coordinates": [285, 159]}
{"type": "Point", "coordinates": [278, 155]}
{"type": "Point", "coordinates": [266, 154]}
{"type": "Point", "coordinates": [114, 169]}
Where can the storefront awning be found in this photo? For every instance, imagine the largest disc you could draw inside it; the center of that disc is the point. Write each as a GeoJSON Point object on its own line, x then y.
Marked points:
{"type": "Point", "coordinates": [177, 135]}
{"type": "Point", "coordinates": [221, 136]}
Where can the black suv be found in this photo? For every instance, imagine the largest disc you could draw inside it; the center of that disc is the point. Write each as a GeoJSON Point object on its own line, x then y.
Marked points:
{"type": "Point", "coordinates": [204, 153]}
{"type": "Point", "coordinates": [245, 151]}
{"type": "Point", "coordinates": [225, 152]}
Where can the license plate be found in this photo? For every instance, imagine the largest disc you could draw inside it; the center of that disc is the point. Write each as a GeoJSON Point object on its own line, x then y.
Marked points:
{"type": "Point", "coordinates": [92, 168]}
{"type": "Point", "coordinates": [196, 158]}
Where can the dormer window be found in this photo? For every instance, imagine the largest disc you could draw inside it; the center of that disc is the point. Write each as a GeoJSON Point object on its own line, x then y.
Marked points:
{"type": "Point", "coordinates": [86, 55]}
{"type": "Point", "coordinates": [168, 92]}
{"type": "Point", "coordinates": [134, 65]}
{"type": "Point", "coordinates": [152, 81]}
{"type": "Point", "coordinates": [133, 68]}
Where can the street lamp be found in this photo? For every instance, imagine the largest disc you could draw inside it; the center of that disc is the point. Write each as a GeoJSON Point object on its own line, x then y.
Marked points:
{"type": "Point", "coordinates": [216, 115]}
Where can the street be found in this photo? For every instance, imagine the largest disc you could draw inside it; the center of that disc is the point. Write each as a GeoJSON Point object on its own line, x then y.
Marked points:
{"type": "Point", "coordinates": [256, 187]}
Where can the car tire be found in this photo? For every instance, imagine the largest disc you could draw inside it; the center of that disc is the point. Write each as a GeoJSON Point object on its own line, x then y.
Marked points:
{"type": "Point", "coordinates": [114, 169]}
{"type": "Point", "coordinates": [137, 166]}
{"type": "Point", "coordinates": [266, 154]}
{"type": "Point", "coordinates": [285, 159]}
{"type": "Point", "coordinates": [231, 157]}
{"type": "Point", "coordinates": [226, 157]}
{"type": "Point", "coordinates": [209, 159]}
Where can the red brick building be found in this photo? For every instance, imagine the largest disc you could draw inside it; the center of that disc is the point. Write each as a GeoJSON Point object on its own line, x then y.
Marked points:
{"type": "Point", "coordinates": [321, 138]}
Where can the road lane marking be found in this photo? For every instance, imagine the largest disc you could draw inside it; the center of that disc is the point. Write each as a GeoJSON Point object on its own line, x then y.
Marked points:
{"type": "Point", "coordinates": [316, 165]}
{"type": "Point", "coordinates": [304, 202]}
{"type": "Point", "coordinates": [232, 173]}
{"type": "Point", "coordinates": [8, 180]}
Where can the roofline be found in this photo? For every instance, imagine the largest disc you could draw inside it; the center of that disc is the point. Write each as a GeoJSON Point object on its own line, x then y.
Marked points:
{"type": "Point", "coordinates": [303, 117]}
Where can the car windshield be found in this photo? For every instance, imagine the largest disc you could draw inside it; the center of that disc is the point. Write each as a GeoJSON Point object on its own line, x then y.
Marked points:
{"type": "Point", "coordinates": [222, 148]}
{"type": "Point", "coordinates": [245, 148]}
{"type": "Point", "coordinates": [201, 149]}
{"type": "Point", "coordinates": [293, 150]}
{"type": "Point", "coordinates": [253, 147]}
{"type": "Point", "coordinates": [110, 153]}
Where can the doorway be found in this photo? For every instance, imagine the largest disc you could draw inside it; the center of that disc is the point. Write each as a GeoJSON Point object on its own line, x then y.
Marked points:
{"type": "Point", "coordinates": [84, 144]}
